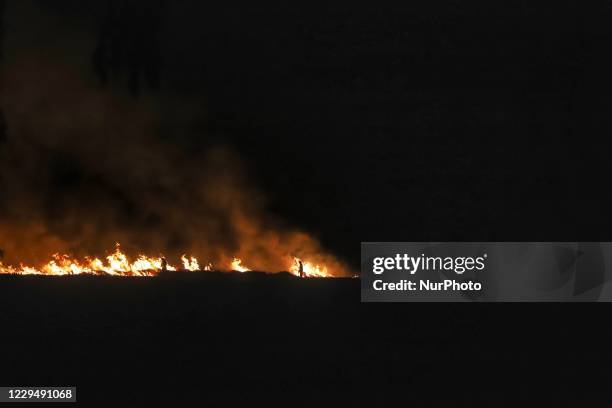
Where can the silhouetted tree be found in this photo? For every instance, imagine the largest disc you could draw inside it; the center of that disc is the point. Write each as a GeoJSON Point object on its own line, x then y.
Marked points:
{"type": "Point", "coordinates": [129, 44]}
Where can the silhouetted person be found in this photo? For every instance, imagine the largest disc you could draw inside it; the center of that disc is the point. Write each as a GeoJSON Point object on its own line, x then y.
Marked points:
{"type": "Point", "coordinates": [164, 265]}
{"type": "Point", "coordinates": [301, 269]}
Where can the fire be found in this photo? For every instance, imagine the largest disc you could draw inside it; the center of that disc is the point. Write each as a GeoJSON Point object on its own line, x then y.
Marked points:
{"type": "Point", "coordinates": [118, 263]}
{"type": "Point", "coordinates": [237, 266]}
{"type": "Point", "coordinates": [309, 270]}
{"type": "Point", "coordinates": [190, 264]}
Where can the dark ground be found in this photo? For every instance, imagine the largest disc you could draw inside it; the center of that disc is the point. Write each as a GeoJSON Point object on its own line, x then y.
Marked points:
{"type": "Point", "coordinates": [243, 338]}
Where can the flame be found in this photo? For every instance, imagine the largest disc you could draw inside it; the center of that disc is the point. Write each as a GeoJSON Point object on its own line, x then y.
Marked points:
{"type": "Point", "coordinates": [237, 266]}
{"type": "Point", "coordinates": [309, 270]}
{"type": "Point", "coordinates": [117, 263]}
{"type": "Point", "coordinates": [190, 264]}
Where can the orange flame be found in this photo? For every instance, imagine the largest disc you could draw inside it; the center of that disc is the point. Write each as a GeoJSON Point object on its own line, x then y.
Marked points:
{"type": "Point", "coordinates": [118, 264]}
{"type": "Point", "coordinates": [237, 266]}
{"type": "Point", "coordinates": [190, 264]}
{"type": "Point", "coordinates": [309, 270]}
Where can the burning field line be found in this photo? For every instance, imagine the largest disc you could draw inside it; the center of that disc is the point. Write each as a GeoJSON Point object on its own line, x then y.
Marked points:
{"type": "Point", "coordinates": [118, 264]}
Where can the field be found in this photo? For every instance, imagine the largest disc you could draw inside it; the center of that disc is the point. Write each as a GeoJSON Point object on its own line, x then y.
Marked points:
{"type": "Point", "coordinates": [304, 342]}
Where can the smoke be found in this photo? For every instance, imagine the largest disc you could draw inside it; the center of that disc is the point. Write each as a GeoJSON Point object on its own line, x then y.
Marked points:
{"type": "Point", "coordinates": [84, 167]}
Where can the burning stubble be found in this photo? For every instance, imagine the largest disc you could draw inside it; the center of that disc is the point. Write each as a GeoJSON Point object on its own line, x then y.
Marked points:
{"type": "Point", "coordinates": [83, 168]}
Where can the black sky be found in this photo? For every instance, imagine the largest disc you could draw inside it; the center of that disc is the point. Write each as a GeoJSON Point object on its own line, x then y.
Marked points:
{"type": "Point", "coordinates": [430, 121]}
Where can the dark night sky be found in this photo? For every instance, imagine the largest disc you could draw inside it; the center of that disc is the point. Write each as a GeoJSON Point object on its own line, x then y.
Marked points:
{"type": "Point", "coordinates": [432, 121]}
